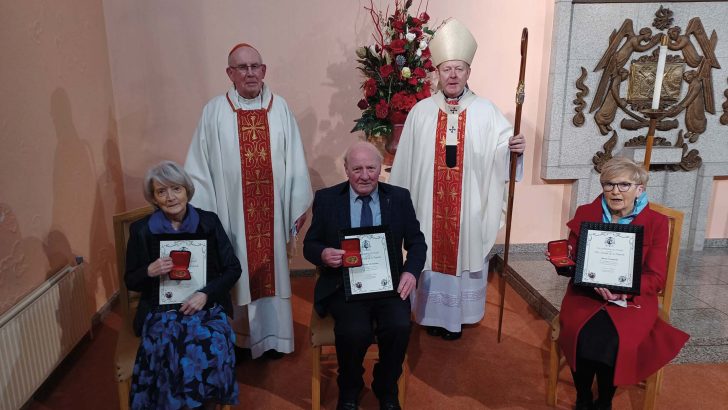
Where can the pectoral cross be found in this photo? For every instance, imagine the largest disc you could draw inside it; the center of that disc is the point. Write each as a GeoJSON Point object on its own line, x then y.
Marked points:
{"type": "Point", "coordinates": [452, 129]}
{"type": "Point", "coordinates": [453, 110]}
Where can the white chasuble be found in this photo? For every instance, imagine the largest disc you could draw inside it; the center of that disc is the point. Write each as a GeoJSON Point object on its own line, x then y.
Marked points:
{"type": "Point", "coordinates": [446, 300]}
{"type": "Point", "coordinates": [214, 163]}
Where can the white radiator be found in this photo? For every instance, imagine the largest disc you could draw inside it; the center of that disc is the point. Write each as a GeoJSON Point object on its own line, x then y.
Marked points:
{"type": "Point", "coordinates": [38, 332]}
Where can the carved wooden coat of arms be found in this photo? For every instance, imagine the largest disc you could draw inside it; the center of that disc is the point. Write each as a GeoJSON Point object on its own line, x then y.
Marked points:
{"type": "Point", "coordinates": [689, 67]}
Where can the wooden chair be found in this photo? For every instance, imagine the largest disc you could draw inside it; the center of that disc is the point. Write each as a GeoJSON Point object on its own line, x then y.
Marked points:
{"type": "Point", "coordinates": [322, 339]}
{"type": "Point", "coordinates": [127, 343]}
{"type": "Point", "coordinates": [653, 383]}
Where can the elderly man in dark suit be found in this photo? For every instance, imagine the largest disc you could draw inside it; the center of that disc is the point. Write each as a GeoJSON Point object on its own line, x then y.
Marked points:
{"type": "Point", "coordinates": [364, 201]}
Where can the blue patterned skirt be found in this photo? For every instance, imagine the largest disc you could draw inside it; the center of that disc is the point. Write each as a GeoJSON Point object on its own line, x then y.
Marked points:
{"type": "Point", "coordinates": [184, 361]}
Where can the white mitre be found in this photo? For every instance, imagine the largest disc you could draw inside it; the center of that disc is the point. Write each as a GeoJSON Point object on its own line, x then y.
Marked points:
{"type": "Point", "coordinates": [453, 41]}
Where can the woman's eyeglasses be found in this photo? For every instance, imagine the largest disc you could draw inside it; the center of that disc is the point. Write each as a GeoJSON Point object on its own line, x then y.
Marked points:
{"type": "Point", "coordinates": [621, 186]}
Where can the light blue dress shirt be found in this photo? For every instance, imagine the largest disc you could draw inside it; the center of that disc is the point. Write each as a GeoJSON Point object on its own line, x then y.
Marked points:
{"type": "Point", "coordinates": [355, 208]}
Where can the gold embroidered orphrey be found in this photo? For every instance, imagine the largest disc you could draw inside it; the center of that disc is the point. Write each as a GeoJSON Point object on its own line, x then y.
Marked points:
{"type": "Point", "coordinates": [697, 51]}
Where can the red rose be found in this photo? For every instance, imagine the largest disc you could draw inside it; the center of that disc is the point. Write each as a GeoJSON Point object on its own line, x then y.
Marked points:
{"type": "Point", "coordinates": [413, 81]}
{"type": "Point", "coordinates": [397, 46]}
{"type": "Point", "coordinates": [362, 104]}
{"type": "Point", "coordinates": [370, 87]}
{"type": "Point", "coordinates": [419, 72]}
{"type": "Point", "coordinates": [425, 92]}
{"type": "Point", "coordinates": [396, 101]}
{"type": "Point", "coordinates": [428, 65]}
{"type": "Point", "coordinates": [417, 32]}
{"type": "Point", "coordinates": [382, 109]}
{"type": "Point", "coordinates": [386, 70]}
{"type": "Point", "coordinates": [398, 24]}
{"type": "Point", "coordinates": [415, 21]}
{"type": "Point", "coordinates": [411, 101]}
{"type": "Point", "coordinates": [426, 53]}
{"type": "Point", "coordinates": [424, 17]}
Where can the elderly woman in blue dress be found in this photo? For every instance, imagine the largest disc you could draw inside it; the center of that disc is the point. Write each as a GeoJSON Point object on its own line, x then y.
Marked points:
{"type": "Point", "coordinates": [186, 358]}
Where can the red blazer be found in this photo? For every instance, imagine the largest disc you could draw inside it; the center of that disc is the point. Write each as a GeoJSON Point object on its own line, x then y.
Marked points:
{"type": "Point", "coordinates": [646, 342]}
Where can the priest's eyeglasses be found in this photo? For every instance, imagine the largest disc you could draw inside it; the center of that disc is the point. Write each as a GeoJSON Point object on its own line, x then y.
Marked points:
{"type": "Point", "coordinates": [621, 186]}
{"type": "Point", "coordinates": [244, 68]}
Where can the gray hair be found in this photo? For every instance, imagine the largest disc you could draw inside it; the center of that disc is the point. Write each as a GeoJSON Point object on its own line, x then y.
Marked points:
{"type": "Point", "coordinates": [619, 166]}
{"type": "Point", "coordinates": [362, 144]}
{"type": "Point", "coordinates": [167, 173]}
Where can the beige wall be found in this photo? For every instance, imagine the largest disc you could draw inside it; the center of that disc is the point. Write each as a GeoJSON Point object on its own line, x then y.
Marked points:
{"type": "Point", "coordinates": [167, 61]}
{"type": "Point", "coordinates": [60, 173]}
{"type": "Point", "coordinates": [75, 73]}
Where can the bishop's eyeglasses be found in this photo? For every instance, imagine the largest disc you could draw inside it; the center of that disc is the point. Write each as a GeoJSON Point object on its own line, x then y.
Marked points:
{"type": "Point", "coordinates": [621, 186]}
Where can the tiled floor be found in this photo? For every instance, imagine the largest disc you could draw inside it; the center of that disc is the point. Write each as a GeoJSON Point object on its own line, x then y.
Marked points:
{"type": "Point", "coordinates": [700, 304]}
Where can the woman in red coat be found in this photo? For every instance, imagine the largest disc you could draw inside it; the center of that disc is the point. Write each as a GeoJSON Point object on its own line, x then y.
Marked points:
{"type": "Point", "coordinates": [620, 345]}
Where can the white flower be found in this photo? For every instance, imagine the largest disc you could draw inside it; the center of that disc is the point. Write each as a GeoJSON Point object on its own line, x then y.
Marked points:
{"type": "Point", "coordinates": [423, 44]}
{"type": "Point", "coordinates": [410, 37]}
{"type": "Point", "coordinates": [373, 49]}
{"type": "Point", "coordinates": [406, 73]}
{"type": "Point", "coordinates": [418, 52]}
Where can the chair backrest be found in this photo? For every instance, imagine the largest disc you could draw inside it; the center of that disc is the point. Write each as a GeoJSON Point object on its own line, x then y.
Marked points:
{"type": "Point", "coordinates": [675, 219]}
{"type": "Point", "coordinates": [129, 300]}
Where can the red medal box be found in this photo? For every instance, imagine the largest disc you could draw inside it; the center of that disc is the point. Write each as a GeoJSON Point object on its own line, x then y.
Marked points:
{"type": "Point", "coordinates": [559, 253]}
{"type": "Point", "coordinates": [352, 253]}
{"type": "Point", "coordinates": [180, 265]}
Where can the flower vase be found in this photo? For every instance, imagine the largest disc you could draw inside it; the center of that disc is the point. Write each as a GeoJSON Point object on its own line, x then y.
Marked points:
{"type": "Point", "coordinates": [392, 143]}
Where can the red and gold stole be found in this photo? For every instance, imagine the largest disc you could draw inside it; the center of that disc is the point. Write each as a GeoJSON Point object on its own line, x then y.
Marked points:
{"type": "Point", "coordinates": [256, 170]}
{"type": "Point", "coordinates": [446, 194]}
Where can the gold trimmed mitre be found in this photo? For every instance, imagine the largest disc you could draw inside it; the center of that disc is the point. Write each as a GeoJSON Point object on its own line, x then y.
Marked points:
{"type": "Point", "coordinates": [453, 41]}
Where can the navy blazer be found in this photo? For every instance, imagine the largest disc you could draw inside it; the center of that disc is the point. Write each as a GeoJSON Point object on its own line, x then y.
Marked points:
{"type": "Point", "coordinates": [331, 213]}
{"type": "Point", "coordinates": [223, 267]}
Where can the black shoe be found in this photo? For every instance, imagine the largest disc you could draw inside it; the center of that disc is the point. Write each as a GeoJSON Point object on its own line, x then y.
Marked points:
{"type": "Point", "coordinates": [584, 405]}
{"type": "Point", "coordinates": [273, 354]}
{"type": "Point", "coordinates": [347, 405]}
{"type": "Point", "coordinates": [389, 405]}
{"type": "Point", "coordinates": [447, 335]}
{"type": "Point", "coordinates": [434, 330]}
{"type": "Point", "coordinates": [602, 406]}
{"type": "Point", "coordinates": [242, 355]}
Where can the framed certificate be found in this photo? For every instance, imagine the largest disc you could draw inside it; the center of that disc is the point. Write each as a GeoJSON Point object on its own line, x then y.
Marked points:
{"type": "Point", "coordinates": [610, 256]}
{"type": "Point", "coordinates": [182, 281]}
{"type": "Point", "coordinates": [378, 275]}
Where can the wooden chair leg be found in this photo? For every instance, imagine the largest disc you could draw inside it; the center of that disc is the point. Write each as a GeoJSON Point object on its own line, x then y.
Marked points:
{"type": "Point", "coordinates": [402, 384]}
{"type": "Point", "coordinates": [124, 387]}
{"type": "Point", "coordinates": [660, 375]}
{"type": "Point", "coordinates": [653, 387]}
{"type": "Point", "coordinates": [554, 364]}
{"type": "Point", "coordinates": [225, 407]}
{"type": "Point", "coordinates": [316, 378]}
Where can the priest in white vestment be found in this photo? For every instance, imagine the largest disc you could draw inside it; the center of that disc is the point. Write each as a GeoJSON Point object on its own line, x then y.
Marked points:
{"type": "Point", "coordinates": [453, 156]}
{"type": "Point", "coordinates": [248, 165]}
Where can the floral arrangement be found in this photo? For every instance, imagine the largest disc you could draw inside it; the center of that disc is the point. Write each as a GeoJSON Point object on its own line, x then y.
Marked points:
{"type": "Point", "coordinates": [395, 68]}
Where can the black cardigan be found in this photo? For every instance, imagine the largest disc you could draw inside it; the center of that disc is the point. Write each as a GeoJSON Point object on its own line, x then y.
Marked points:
{"type": "Point", "coordinates": [223, 267]}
